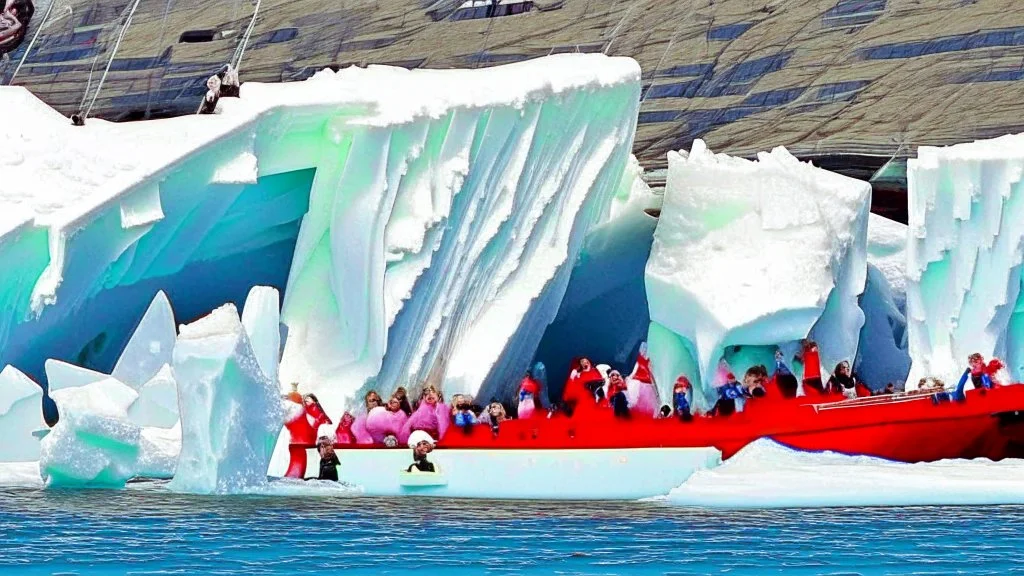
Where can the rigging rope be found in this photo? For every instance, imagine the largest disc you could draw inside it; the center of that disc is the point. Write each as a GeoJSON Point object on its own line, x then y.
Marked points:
{"type": "Point", "coordinates": [236, 59]}
{"type": "Point", "coordinates": [117, 45]}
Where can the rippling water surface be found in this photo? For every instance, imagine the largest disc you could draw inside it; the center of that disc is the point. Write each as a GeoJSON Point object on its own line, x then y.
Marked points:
{"type": "Point", "coordinates": [145, 530]}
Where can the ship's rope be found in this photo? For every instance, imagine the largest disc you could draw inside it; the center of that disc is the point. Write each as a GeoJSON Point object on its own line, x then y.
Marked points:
{"type": "Point", "coordinates": [110, 61]}
{"type": "Point", "coordinates": [236, 59]}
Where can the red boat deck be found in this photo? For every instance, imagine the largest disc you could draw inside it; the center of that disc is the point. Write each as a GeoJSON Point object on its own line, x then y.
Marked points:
{"type": "Point", "coordinates": [908, 428]}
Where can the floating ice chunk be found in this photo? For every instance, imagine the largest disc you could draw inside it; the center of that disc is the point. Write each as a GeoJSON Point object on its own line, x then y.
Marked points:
{"type": "Point", "coordinates": [21, 414]}
{"type": "Point", "coordinates": [62, 375]}
{"type": "Point", "coordinates": [95, 445]}
{"type": "Point", "coordinates": [108, 397]}
{"type": "Point", "coordinates": [261, 318]}
{"type": "Point", "coordinates": [151, 345]}
{"type": "Point", "coordinates": [964, 256]}
{"type": "Point", "coordinates": [231, 412]}
{"type": "Point", "coordinates": [768, 475]}
{"type": "Point", "coordinates": [157, 404]}
{"type": "Point", "coordinates": [20, 475]}
{"type": "Point", "coordinates": [753, 253]}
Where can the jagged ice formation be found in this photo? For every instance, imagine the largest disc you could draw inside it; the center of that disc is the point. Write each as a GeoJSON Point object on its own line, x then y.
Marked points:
{"type": "Point", "coordinates": [423, 222]}
{"type": "Point", "coordinates": [754, 254]}
{"type": "Point", "coordinates": [964, 256]}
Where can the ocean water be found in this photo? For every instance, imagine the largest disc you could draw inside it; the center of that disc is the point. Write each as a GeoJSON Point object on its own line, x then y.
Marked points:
{"type": "Point", "coordinates": [146, 530]}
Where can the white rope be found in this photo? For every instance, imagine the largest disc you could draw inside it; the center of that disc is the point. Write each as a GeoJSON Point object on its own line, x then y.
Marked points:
{"type": "Point", "coordinates": [236, 60]}
{"type": "Point", "coordinates": [117, 45]}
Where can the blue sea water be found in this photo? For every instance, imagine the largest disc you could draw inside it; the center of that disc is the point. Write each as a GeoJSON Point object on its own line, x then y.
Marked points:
{"type": "Point", "coordinates": [146, 530]}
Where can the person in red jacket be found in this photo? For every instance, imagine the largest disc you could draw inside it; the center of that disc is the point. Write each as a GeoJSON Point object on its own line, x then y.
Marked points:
{"type": "Point", "coordinates": [582, 387]}
{"type": "Point", "coordinates": [812, 368]}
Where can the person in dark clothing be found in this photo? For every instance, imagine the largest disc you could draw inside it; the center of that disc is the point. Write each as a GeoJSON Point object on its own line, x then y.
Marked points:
{"type": "Point", "coordinates": [209, 105]}
{"type": "Point", "coordinates": [617, 394]}
{"type": "Point", "coordinates": [728, 394]}
{"type": "Point", "coordinates": [890, 388]}
{"type": "Point", "coordinates": [785, 381]}
{"type": "Point", "coordinates": [229, 85]}
{"type": "Point", "coordinates": [843, 381]}
{"type": "Point", "coordinates": [328, 459]}
{"type": "Point", "coordinates": [421, 444]}
{"type": "Point", "coordinates": [682, 404]}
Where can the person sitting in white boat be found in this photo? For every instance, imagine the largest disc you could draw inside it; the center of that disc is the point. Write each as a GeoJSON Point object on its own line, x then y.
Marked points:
{"type": "Point", "coordinates": [421, 444]}
{"type": "Point", "coordinates": [328, 459]}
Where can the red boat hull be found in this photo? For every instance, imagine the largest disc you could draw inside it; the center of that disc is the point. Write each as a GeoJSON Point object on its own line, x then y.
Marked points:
{"type": "Point", "coordinates": [907, 428]}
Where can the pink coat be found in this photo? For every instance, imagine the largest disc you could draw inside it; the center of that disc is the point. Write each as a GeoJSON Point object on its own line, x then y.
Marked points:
{"type": "Point", "coordinates": [381, 423]}
{"type": "Point", "coordinates": [433, 420]}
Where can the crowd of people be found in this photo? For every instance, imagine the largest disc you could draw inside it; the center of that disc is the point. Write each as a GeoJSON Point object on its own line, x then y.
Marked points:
{"type": "Point", "coordinates": [592, 388]}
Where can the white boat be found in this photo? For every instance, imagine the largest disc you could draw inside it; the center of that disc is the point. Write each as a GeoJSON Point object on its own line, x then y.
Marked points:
{"type": "Point", "coordinates": [588, 474]}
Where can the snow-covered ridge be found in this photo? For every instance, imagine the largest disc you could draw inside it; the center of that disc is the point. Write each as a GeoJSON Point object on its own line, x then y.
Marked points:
{"type": "Point", "coordinates": [420, 219]}
{"type": "Point", "coordinates": [966, 219]}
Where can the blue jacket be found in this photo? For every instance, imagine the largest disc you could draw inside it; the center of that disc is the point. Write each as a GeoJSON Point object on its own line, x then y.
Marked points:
{"type": "Point", "coordinates": [681, 403]}
{"type": "Point", "coordinates": [732, 391]}
{"type": "Point", "coordinates": [464, 418]}
{"type": "Point", "coordinates": [986, 382]}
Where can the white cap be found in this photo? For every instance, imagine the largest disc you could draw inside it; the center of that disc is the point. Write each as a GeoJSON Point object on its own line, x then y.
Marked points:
{"type": "Point", "coordinates": [419, 436]}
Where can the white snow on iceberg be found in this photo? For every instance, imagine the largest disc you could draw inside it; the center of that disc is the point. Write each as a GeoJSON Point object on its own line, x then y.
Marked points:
{"type": "Point", "coordinates": [753, 253]}
{"type": "Point", "coordinates": [966, 218]}
{"type": "Point", "coordinates": [768, 475]}
{"type": "Point", "coordinates": [440, 211]}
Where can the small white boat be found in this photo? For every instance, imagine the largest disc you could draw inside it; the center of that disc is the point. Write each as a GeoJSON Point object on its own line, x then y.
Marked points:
{"type": "Point", "coordinates": [579, 474]}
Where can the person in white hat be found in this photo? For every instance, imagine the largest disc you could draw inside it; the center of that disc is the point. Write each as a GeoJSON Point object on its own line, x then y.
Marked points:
{"type": "Point", "coordinates": [421, 444]}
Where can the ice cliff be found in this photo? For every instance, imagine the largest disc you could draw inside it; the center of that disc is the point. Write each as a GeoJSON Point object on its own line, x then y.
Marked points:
{"type": "Point", "coordinates": [964, 256]}
{"type": "Point", "coordinates": [753, 254]}
{"type": "Point", "coordinates": [423, 223]}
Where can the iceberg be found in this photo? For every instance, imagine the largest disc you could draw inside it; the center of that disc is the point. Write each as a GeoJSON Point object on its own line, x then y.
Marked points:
{"type": "Point", "coordinates": [231, 412]}
{"type": "Point", "coordinates": [753, 253]}
{"type": "Point", "coordinates": [21, 414]}
{"type": "Point", "coordinates": [966, 206]}
{"type": "Point", "coordinates": [96, 445]}
{"type": "Point", "coordinates": [420, 225]}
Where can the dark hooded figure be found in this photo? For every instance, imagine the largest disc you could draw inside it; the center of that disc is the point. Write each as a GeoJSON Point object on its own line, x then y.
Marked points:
{"type": "Point", "coordinates": [14, 21]}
